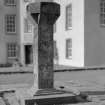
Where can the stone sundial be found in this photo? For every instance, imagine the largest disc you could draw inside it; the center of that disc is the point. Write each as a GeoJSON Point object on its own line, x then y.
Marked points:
{"type": "Point", "coordinates": [44, 14]}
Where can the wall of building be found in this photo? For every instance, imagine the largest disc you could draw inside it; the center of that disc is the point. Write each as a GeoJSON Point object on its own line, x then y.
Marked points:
{"type": "Point", "coordinates": [76, 33]}
{"type": "Point", "coordinates": [24, 38]}
{"type": "Point", "coordinates": [20, 37]}
{"type": "Point", "coordinates": [5, 38]}
{"type": "Point", "coordinates": [94, 35]}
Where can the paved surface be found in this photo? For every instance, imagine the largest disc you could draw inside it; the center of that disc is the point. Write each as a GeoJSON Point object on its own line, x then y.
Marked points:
{"type": "Point", "coordinates": [93, 80]}
{"type": "Point", "coordinates": [82, 80]}
{"type": "Point", "coordinates": [89, 80]}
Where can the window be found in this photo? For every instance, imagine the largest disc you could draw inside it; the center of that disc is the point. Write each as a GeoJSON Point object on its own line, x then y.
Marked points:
{"type": "Point", "coordinates": [68, 48]}
{"type": "Point", "coordinates": [68, 17]}
{"type": "Point", "coordinates": [102, 12]}
{"type": "Point", "coordinates": [12, 50]}
{"type": "Point", "coordinates": [10, 21]}
{"type": "Point", "coordinates": [55, 51]}
{"type": "Point", "coordinates": [27, 26]}
{"type": "Point", "coordinates": [10, 2]}
{"type": "Point", "coordinates": [54, 28]}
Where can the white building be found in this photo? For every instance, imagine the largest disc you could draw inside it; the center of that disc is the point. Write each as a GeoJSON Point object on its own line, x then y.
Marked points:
{"type": "Point", "coordinates": [16, 32]}
{"type": "Point", "coordinates": [26, 33]}
{"type": "Point", "coordinates": [80, 33]}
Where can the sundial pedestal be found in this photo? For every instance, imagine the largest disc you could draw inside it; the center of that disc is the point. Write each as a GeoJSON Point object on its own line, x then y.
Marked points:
{"type": "Point", "coordinates": [45, 14]}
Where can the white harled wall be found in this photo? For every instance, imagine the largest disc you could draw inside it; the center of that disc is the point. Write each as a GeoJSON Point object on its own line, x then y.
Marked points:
{"type": "Point", "coordinates": [76, 33]}
{"type": "Point", "coordinates": [5, 38]}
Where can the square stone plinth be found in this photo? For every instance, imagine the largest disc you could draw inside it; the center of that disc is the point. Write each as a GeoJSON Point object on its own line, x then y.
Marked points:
{"type": "Point", "coordinates": [47, 97]}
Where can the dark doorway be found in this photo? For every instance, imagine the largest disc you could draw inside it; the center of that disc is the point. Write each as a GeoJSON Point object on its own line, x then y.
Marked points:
{"type": "Point", "coordinates": [28, 54]}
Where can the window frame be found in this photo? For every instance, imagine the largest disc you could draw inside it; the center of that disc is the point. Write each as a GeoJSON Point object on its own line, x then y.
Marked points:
{"type": "Point", "coordinates": [69, 48]}
{"type": "Point", "coordinates": [28, 27]}
{"type": "Point", "coordinates": [55, 27]}
{"type": "Point", "coordinates": [12, 50]}
{"type": "Point", "coordinates": [9, 4]}
{"type": "Point", "coordinates": [102, 13]}
{"type": "Point", "coordinates": [7, 28]}
{"type": "Point", "coordinates": [68, 19]}
{"type": "Point", "coordinates": [55, 50]}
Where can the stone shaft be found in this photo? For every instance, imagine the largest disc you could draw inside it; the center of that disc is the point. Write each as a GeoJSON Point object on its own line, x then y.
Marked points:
{"type": "Point", "coordinates": [45, 14]}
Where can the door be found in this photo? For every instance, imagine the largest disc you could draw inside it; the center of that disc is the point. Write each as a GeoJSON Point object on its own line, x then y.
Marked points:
{"type": "Point", "coordinates": [28, 54]}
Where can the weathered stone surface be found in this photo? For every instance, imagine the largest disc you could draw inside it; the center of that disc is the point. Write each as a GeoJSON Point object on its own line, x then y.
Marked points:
{"type": "Point", "coordinates": [102, 103]}
{"type": "Point", "coordinates": [45, 16]}
{"type": "Point", "coordinates": [10, 99]}
{"type": "Point", "coordinates": [2, 101]}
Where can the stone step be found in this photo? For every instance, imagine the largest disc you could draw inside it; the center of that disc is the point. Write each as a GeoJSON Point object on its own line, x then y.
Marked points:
{"type": "Point", "coordinates": [50, 91]}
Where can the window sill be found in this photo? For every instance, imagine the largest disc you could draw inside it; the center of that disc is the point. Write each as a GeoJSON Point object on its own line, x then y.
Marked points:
{"type": "Point", "coordinates": [70, 28]}
{"type": "Point", "coordinates": [12, 5]}
{"type": "Point", "coordinates": [69, 58]}
{"type": "Point", "coordinates": [102, 25]}
{"type": "Point", "coordinates": [12, 57]}
{"type": "Point", "coordinates": [8, 33]}
{"type": "Point", "coordinates": [28, 32]}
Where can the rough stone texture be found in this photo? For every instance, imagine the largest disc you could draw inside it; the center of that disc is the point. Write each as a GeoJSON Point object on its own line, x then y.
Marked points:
{"type": "Point", "coordinates": [10, 99]}
{"type": "Point", "coordinates": [45, 55]}
{"type": "Point", "coordinates": [45, 16]}
{"type": "Point", "coordinates": [2, 101]}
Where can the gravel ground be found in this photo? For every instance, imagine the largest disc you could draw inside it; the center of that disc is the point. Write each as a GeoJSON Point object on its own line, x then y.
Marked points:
{"type": "Point", "coordinates": [84, 81]}
{"type": "Point", "coordinates": [88, 80]}
{"type": "Point", "coordinates": [75, 80]}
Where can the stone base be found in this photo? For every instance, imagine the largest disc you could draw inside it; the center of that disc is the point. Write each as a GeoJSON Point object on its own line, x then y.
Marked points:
{"type": "Point", "coordinates": [47, 97]}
